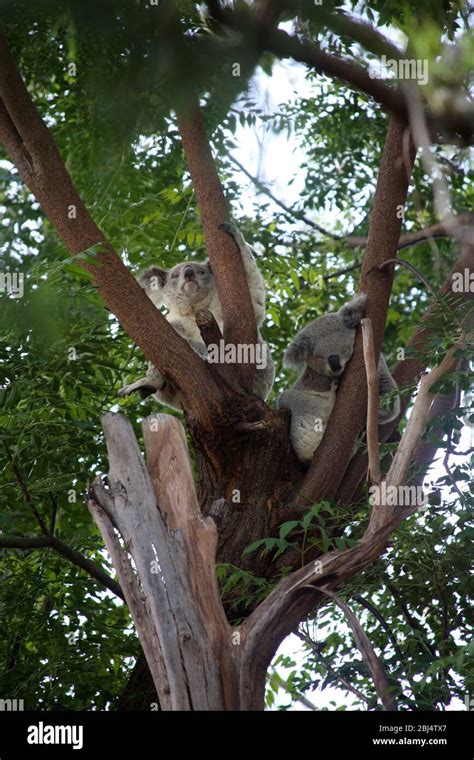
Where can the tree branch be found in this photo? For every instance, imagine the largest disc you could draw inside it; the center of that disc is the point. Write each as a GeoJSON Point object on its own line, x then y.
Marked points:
{"type": "Point", "coordinates": [373, 401]}
{"type": "Point", "coordinates": [331, 457]}
{"type": "Point", "coordinates": [406, 375]}
{"type": "Point", "coordinates": [367, 652]}
{"type": "Point", "coordinates": [454, 125]}
{"type": "Point", "coordinates": [172, 548]}
{"type": "Point", "coordinates": [295, 596]}
{"type": "Point", "coordinates": [286, 46]}
{"type": "Point", "coordinates": [31, 147]}
{"type": "Point", "coordinates": [378, 616]}
{"type": "Point", "coordinates": [51, 542]}
{"type": "Point", "coordinates": [226, 262]}
{"type": "Point", "coordinates": [300, 215]}
{"type": "Point", "coordinates": [441, 229]}
{"type": "Point", "coordinates": [24, 490]}
{"type": "Point", "coordinates": [314, 646]}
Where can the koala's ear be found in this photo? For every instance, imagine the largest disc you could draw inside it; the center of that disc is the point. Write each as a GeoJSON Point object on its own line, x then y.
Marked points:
{"type": "Point", "coordinates": [298, 352]}
{"type": "Point", "coordinates": [351, 312]}
{"type": "Point", "coordinates": [153, 279]}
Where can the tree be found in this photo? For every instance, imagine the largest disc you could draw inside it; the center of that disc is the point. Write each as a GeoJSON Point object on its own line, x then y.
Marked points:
{"type": "Point", "coordinates": [118, 115]}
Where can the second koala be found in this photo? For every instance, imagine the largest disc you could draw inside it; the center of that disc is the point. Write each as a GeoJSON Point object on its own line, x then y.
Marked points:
{"type": "Point", "coordinates": [185, 289]}
{"type": "Point", "coordinates": [322, 350]}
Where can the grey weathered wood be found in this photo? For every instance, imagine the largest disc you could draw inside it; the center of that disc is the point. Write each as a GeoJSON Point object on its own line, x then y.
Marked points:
{"type": "Point", "coordinates": [172, 549]}
{"type": "Point", "coordinates": [133, 596]}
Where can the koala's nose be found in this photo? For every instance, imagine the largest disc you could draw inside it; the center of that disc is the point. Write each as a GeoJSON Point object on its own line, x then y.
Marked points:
{"type": "Point", "coordinates": [188, 273]}
{"type": "Point", "coordinates": [334, 363]}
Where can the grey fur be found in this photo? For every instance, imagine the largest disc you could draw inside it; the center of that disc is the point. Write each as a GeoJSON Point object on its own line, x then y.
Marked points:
{"type": "Point", "coordinates": [321, 350]}
{"type": "Point", "coordinates": [186, 288]}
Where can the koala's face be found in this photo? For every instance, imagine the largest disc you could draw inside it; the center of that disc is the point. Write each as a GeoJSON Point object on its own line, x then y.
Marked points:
{"type": "Point", "coordinates": [326, 345]}
{"type": "Point", "coordinates": [186, 287]}
{"type": "Point", "coordinates": [332, 346]}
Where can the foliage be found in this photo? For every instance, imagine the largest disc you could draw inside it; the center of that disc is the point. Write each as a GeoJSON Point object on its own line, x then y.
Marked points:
{"type": "Point", "coordinates": [63, 357]}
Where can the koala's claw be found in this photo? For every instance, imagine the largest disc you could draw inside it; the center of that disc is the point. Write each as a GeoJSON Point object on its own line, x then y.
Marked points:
{"type": "Point", "coordinates": [231, 230]}
{"type": "Point", "coordinates": [142, 386]}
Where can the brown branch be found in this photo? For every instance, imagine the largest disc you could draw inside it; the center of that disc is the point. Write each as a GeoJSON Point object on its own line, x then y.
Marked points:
{"type": "Point", "coordinates": [454, 124]}
{"type": "Point", "coordinates": [51, 542]}
{"type": "Point", "coordinates": [373, 401]}
{"type": "Point", "coordinates": [407, 265]}
{"type": "Point", "coordinates": [32, 149]}
{"type": "Point", "coordinates": [367, 652]}
{"type": "Point", "coordinates": [344, 24]}
{"type": "Point", "coordinates": [286, 46]}
{"type": "Point", "coordinates": [444, 228]}
{"type": "Point", "coordinates": [231, 282]}
{"type": "Point", "coordinates": [24, 490]}
{"type": "Point", "coordinates": [438, 230]}
{"type": "Point", "coordinates": [297, 594]}
{"type": "Point", "coordinates": [212, 335]}
{"type": "Point", "coordinates": [314, 646]}
{"type": "Point", "coordinates": [406, 375]}
{"type": "Point", "coordinates": [47, 540]}
{"type": "Point", "coordinates": [330, 460]}
{"type": "Point", "coordinates": [293, 213]}
{"type": "Point", "coordinates": [378, 616]}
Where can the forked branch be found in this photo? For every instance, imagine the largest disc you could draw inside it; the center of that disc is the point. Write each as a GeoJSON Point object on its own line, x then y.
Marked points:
{"type": "Point", "coordinates": [32, 149]}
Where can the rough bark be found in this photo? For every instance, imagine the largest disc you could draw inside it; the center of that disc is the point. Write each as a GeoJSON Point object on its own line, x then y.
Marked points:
{"type": "Point", "coordinates": [330, 460]}
{"type": "Point", "coordinates": [32, 149]}
{"type": "Point", "coordinates": [237, 309]}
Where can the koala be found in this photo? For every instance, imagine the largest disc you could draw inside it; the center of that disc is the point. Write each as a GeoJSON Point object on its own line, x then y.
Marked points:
{"type": "Point", "coordinates": [183, 290]}
{"type": "Point", "coordinates": [322, 349]}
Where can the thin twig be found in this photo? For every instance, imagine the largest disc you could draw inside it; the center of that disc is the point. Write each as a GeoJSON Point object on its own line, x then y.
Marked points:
{"type": "Point", "coordinates": [24, 489]}
{"type": "Point", "coordinates": [51, 542]}
{"type": "Point", "coordinates": [378, 615]}
{"type": "Point", "coordinates": [295, 214]}
{"type": "Point", "coordinates": [449, 447]}
{"type": "Point", "coordinates": [307, 640]}
{"type": "Point", "coordinates": [407, 265]}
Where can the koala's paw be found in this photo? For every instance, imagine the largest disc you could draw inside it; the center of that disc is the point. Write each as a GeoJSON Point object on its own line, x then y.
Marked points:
{"type": "Point", "coordinates": [235, 233]}
{"type": "Point", "coordinates": [142, 386]}
{"type": "Point", "coordinates": [230, 228]}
